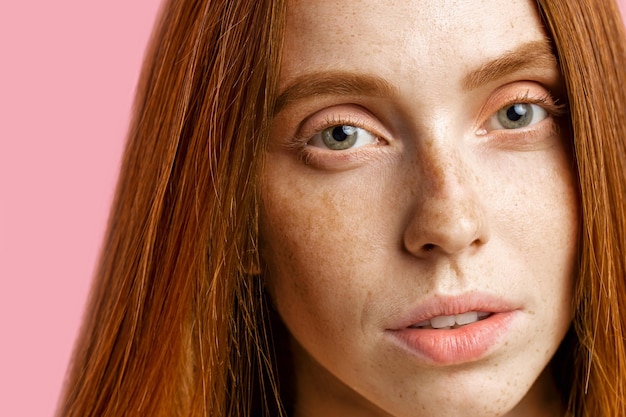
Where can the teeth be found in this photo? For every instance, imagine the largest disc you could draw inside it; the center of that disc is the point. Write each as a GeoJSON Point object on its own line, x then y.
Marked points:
{"type": "Point", "coordinates": [455, 321]}
{"type": "Point", "coordinates": [442, 321]}
{"type": "Point", "coordinates": [466, 318]}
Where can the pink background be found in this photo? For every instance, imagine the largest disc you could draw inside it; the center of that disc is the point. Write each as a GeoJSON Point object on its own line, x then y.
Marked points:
{"type": "Point", "coordinates": [68, 71]}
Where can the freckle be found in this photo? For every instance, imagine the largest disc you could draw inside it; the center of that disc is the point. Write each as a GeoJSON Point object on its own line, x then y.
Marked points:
{"type": "Point", "coordinates": [438, 170]}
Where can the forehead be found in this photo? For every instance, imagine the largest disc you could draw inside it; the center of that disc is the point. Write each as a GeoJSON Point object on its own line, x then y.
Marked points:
{"type": "Point", "coordinates": [413, 39]}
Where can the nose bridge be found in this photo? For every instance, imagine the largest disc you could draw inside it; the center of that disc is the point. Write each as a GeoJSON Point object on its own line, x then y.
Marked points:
{"type": "Point", "coordinates": [448, 216]}
{"type": "Point", "coordinates": [447, 177]}
{"type": "Point", "coordinates": [443, 170]}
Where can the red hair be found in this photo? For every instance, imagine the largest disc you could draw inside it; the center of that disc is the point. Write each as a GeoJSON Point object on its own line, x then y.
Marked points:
{"type": "Point", "coordinates": [590, 43]}
{"type": "Point", "coordinates": [177, 323]}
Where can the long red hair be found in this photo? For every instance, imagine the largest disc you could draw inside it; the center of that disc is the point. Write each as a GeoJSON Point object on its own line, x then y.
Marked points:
{"type": "Point", "coordinates": [591, 46]}
{"type": "Point", "coordinates": [177, 323]}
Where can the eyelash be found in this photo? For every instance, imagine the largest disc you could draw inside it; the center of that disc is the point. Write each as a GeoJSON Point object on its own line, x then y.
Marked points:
{"type": "Point", "coordinates": [330, 120]}
{"type": "Point", "coordinates": [308, 155]}
{"type": "Point", "coordinates": [301, 142]}
{"type": "Point", "coordinates": [528, 134]}
{"type": "Point", "coordinates": [546, 101]}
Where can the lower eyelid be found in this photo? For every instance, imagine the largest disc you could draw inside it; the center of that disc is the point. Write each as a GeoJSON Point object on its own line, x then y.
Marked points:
{"type": "Point", "coordinates": [330, 160]}
{"type": "Point", "coordinates": [534, 137]}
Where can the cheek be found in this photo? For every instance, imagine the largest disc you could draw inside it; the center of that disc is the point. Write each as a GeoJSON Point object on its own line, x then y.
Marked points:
{"type": "Point", "coordinates": [542, 224]}
{"type": "Point", "coordinates": [303, 247]}
{"type": "Point", "coordinates": [553, 227]}
{"type": "Point", "coordinates": [312, 242]}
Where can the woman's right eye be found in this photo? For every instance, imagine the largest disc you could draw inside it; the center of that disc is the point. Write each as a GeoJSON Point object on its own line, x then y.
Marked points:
{"type": "Point", "coordinates": [341, 137]}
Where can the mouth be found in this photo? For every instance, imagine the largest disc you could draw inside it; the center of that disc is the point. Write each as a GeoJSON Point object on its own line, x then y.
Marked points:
{"type": "Point", "coordinates": [443, 331]}
{"type": "Point", "coordinates": [455, 321]}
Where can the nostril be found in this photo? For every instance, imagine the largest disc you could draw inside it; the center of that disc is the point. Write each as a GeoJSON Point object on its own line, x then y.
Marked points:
{"type": "Point", "coordinates": [428, 247]}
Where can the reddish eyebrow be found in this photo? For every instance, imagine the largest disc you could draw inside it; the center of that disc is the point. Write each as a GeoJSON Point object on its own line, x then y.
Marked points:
{"type": "Point", "coordinates": [338, 83]}
{"type": "Point", "coordinates": [535, 54]}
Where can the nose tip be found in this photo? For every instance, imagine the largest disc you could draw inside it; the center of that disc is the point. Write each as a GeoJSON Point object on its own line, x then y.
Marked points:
{"type": "Point", "coordinates": [447, 213]}
{"type": "Point", "coordinates": [446, 227]}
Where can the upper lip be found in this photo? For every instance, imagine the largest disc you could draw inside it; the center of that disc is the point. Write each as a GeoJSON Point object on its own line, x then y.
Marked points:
{"type": "Point", "coordinates": [443, 305]}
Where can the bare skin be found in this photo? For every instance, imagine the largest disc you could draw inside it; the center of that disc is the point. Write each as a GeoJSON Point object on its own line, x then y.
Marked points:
{"type": "Point", "coordinates": [416, 165]}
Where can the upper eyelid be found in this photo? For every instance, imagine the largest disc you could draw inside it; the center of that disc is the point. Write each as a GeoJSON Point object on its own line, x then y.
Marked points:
{"type": "Point", "coordinates": [547, 101]}
{"type": "Point", "coordinates": [311, 125]}
{"type": "Point", "coordinates": [520, 92]}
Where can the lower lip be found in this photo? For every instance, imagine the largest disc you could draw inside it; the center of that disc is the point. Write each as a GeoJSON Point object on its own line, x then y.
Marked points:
{"type": "Point", "coordinates": [456, 346]}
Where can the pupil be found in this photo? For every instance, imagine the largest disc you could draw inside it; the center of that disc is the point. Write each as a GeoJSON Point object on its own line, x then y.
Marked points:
{"type": "Point", "coordinates": [516, 112]}
{"type": "Point", "coordinates": [341, 133]}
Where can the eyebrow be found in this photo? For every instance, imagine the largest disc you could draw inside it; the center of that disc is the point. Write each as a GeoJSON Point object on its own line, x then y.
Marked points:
{"type": "Point", "coordinates": [338, 83]}
{"type": "Point", "coordinates": [535, 54]}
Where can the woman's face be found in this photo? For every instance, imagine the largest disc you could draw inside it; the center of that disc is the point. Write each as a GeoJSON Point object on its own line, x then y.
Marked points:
{"type": "Point", "coordinates": [419, 213]}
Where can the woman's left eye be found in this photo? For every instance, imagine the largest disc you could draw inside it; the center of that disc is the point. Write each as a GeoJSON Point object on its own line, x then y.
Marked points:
{"type": "Point", "coordinates": [340, 137]}
{"type": "Point", "coordinates": [517, 116]}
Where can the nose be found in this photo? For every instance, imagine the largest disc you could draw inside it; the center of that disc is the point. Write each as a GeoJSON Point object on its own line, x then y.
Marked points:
{"type": "Point", "coordinates": [447, 216]}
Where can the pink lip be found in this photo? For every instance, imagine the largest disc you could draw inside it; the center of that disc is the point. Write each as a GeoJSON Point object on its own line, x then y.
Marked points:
{"type": "Point", "coordinates": [454, 346]}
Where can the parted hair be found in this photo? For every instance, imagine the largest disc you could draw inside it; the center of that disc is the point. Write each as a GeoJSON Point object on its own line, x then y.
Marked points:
{"type": "Point", "coordinates": [178, 323]}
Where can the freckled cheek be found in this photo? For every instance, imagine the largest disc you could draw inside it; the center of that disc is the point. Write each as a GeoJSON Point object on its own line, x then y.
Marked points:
{"type": "Point", "coordinates": [311, 248]}
{"type": "Point", "coordinates": [566, 209]}
{"type": "Point", "coordinates": [317, 243]}
{"type": "Point", "coordinates": [546, 230]}
{"type": "Point", "coordinates": [559, 206]}
{"type": "Point", "coordinates": [539, 202]}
